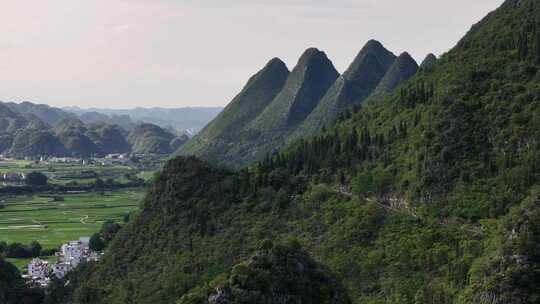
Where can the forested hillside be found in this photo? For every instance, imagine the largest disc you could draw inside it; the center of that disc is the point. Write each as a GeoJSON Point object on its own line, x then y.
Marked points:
{"type": "Point", "coordinates": [35, 130]}
{"type": "Point", "coordinates": [428, 195]}
{"type": "Point", "coordinates": [350, 89]}
{"type": "Point", "coordinates": [215, 139]}
{"type": "Point", "coordinates": [25, 134]}
{"type": "Point", "coordinates": [274, 274]}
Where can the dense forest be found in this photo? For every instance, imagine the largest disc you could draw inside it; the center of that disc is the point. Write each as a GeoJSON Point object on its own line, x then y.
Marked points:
{"type": "Point", "coordinates": [427, 195]}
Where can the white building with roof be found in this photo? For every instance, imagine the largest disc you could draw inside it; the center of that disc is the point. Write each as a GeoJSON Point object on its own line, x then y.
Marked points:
{"type": "Point", "coordinates": [70, 256]}
{"type": "Point", "coordinates": [75, 252]}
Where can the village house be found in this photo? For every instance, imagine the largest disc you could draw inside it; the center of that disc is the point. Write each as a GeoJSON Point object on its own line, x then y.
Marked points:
{"type": "Point", "coordinates": [70, 256]}
{"type": "Point", "coordinates": [38, 272]}
{"type": "Point", "coordinates": [38, 269]}
{"type": "Point", "coordinates": [75, 252]}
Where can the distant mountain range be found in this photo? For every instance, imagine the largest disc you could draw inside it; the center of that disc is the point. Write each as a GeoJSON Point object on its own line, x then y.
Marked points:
{"type": "Point", "coordinates": [190, 119]}
{"type": "Point", "coordinates": [33, 130]}
{"type": "Point", "coordinates": [277, 107]}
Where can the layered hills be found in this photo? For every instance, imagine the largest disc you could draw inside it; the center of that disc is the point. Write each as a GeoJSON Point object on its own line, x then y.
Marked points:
{"type": "Point", "coordinates": [354, 86]}
{"type": "Point", "coordinates": [427, 195]}
{"type": "Point", "coordinates": [182, 120]}
{"type": "Point", "coordinates": [301, 103]}
{"type": "Point", "coordinates": [34, 130]}
{"type": "Point", "coordinates": [31, 130]}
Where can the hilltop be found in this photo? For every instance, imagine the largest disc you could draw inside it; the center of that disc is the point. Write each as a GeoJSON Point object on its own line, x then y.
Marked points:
{"type": "Point", "coordinates": [277, 107]}
{"type": "Point", "coordinates": [214, 140]}
{"type": "Point", "coordinates": [274, 274]}
{"type": "Point", "coordinates": [150, 139]}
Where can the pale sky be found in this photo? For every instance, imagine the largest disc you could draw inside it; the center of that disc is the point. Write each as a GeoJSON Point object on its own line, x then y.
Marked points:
{"type": "Point", "coordinates": [127, 53]}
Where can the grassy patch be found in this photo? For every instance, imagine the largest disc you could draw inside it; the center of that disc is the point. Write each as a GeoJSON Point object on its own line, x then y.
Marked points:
{"type": "Point", "coordinates": [52, 223]}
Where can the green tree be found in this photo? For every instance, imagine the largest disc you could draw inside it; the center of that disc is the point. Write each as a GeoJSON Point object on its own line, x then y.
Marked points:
{"type": "Point", "coordinates": [13, 289]}
{"type": "Point", "coordinates": [35, 249]}
{"type": "Point", "coordinates": [96, 243]}
{"type": "Point", "coordinates": [36, 179]}
{"type": "Point", "coordinates": [109, 230]}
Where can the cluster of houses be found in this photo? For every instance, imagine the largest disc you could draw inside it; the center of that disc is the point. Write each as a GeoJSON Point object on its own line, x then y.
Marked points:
{"type": "Point", "coordinates": [70, 256]}
{"type": "Point", "coordinates": [107, 160]}
{"type": "Point", "coordinates": [110, 159]}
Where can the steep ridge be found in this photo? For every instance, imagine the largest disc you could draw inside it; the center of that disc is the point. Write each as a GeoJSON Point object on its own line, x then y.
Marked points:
{"type": "Point", "coordinates": [218, 137]}
{"type": "Point", "coordinates": [429, 195]}
{"type": "Point", "coordinates": [302, 91]}
{"type": "Point", "coordinates": [312, 96]}
{"type": "Point", "coordinates": [308, 82]}
{"type": "Point", "coordinates": [403, 68]}
{"type": "Point", "coordinates": [430, 60]}
{"type": "Point", "coordinates": [355, 85]}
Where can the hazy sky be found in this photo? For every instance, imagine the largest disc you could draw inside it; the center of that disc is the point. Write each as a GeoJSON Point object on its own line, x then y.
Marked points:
{"type": "Point", "coordinates": [126, 53]}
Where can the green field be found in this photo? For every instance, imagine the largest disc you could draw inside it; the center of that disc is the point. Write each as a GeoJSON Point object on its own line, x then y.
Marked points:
{"type": "Point", "coordinates": [52, 223]}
